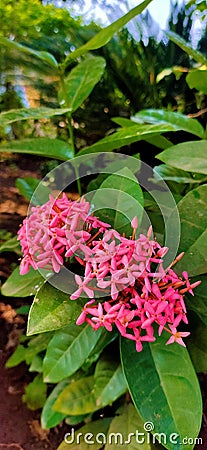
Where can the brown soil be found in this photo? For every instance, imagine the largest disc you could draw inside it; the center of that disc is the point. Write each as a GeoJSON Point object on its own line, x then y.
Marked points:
{"type": "Point", "coordinates": [20, 427]}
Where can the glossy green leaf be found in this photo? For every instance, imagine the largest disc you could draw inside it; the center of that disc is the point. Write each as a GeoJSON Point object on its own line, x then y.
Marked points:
{"type": "Point", "coordinates": [94, 392]}
{"type": "Point", "coordinates": [105, 35]}
{"type": "Point", "coordinates": [67, 351]}
{"type": "Point", "coordinates": [11, 245]}
{"type": "Point", "coordinates": [22, 285]}
{"type": "Point", "coordinates": [109, 381]}
{"type": "Point", "coordinates": [126, 136]}
{"type": "Point", "coordinates": [45, 57]}
{"type": "Point", "coordinates": [27, 187]}
{"type": "Point", "coordinates": [77, 398]}
{"type": "Point", "coordinates": [197, 79]}
{"type": "Point", "coordinates": [197, 347]}
{"type": "Point", "coordinates": [80, 82]}
{"type": "Point", "coordinates": [174, 119]}
{"type": "Point", "coordinates": [35, 393]}
{"type": "Point", "coordinates": [119, 199]}
{"type": "Point", "coordinates": [14, 115]}
{"type": "Point", "coordinates": [46, 147]}
{"type": "Point", "coordinates": [184, 45]}
{"type": "Point", "coordinates": [170, 173]}
{"type": "Point", "coordinates": [193, 216]}
{"type": "Point", "coordinates": [158, 141]}
{"type": "Point", "coordinates": [122, 433]}
{"type": "Point", "coordinates": [49, 417]}
{"type": "Point", "coordinates": [90, 436]}
{"type": "Point", "coordinates": [105, 339]}
{"type": "Point", "coordinates": [52, 309]}
{"type": "Point", "coordinates": [164, 388]}
{"type": "Point", "coordinates": [190, 156]}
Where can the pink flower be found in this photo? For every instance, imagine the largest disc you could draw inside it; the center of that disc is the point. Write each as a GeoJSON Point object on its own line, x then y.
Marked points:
{"type": "Point", "coordinates": [82, 288]}
{"type": "Point", "coordinates": [177, 336]}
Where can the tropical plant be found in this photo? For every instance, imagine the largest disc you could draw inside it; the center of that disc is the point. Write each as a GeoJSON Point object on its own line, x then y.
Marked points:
{"type": "Point", "coordinates": [107, 228]}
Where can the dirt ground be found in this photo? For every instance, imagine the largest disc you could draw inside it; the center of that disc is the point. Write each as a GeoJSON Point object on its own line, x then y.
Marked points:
{"type": "Point", "coordinates": [19, 427]}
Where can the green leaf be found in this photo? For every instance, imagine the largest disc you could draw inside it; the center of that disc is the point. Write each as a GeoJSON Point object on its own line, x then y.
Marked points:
{"type": "Point", "coordinates": [119, 199]}
{"type": "Point", "coordinates": [164, 388]}
{"type": "Point", "coordinates": [197, 347]}
{"type": "Point", "coordinates": [52, 309]}
{"type": "Point", "coordinates": [35, 393]}
{"type": "Point", "coordinates": [12, 245]}
{"type": "Point", "coordinates": [49, 417]}
{"type": "Point", "coordinates": [92, 436]}
{"type": "Point", "coordinates": [46, 147]}
{"type": "Point", "coordinates": [94, 392]}
{"type": "Point", "coordinates": [123, 428]}
{"type": "Point", "coordinates": [174, 119]}
{"type": "Point", "coordinates": [36, 364]}
{"type": "Point", "coordinates": [190, 156]}
{"type": "Point", "coordinates": [198, 302]}
{"type": "Point", "coordinates": [184, 45]}
{"type": "Point", "coordinates": [105, 339]}
{"type": "Point", "coordinates": [77, 398]}
{"type": "Point", "coordinates": [193, 216]}
{"type": "Point", "coordinates": [67, 351]}
{"type": "Point", "coordinates": [17, 357]}
{"type": "Point", "coordinates": [126, 136]}
{"type": "Point", "coordinates": [22, 285]}
{"type": "Point", "coordinates": [106, 34]}
{"type": "Point", "coordinates": [27, 187]}
{"type": "Point", "coordinates": [45, 57]}
{"type": "Point", "coordinates": [14, 115]}
{"type": "Point", "coordinates": [81, 81]}
{"type": "Point", "coordinates": [197, 79]}
{"type": "Point", "coordinates": [169, 173]}
{"type": "Point", "coordinates": [109, 381]}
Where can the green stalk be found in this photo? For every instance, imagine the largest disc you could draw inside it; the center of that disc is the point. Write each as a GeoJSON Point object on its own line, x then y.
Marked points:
{"type": "Point", "coordinates": [70, 128]}
{"type": "Point", "coordinates": [71, 132]}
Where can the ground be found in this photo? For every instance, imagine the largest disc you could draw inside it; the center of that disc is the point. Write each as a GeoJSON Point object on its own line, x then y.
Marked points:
{"type": "Point", "coordinates": [20, 427]}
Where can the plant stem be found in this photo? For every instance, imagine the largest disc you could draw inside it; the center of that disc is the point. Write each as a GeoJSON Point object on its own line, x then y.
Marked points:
{"type": "Point", "coordinates": [70, 128]}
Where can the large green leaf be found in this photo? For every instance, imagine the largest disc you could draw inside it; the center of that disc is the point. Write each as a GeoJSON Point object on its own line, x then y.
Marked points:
{"type": "Point", "coordinates": [22, 285]}
{"type": "Point", "coordinates": [119, 199]}
{"type": "Point", "coordinates": [94, 392]}
{"type": "Point", "coordinates": [67, 351]}
{"type": "Point", "coordinates": [163, 386]}
{"type": "Point", "coordinates": [197, 347]}
{"type": "Point", "coordinates": [190, 156]}
{"type": "Point", "coordinates": [174, 119]}
{"type": "Point", "coordinates": [80, 82]}
{"type": "Point", "coordinates": [45, 57]}
{"type": "Point", "coordinates": [49, 417]}
{"type": "Point", "coordinates": [105, 35]}
{"type": "Point", "coordinates": [184, 45]}
{"type": "Point", "coordinates": [49, 148]}
{"type": "Point", "coordinates": [126, 136]}
{"type": "Point", "coordinates": [109, 381]}
{"type": "Point", "coordinates": [52, 309]}
{"type": "Point", "coordinates": [193, 216]}
{"type": "Point", "coordinates": [197, 79]}
{"type": "Point", "coordinates": [170, 173]}
{"type": "Point", "coordinates": [90, 436]}
{"type": "Point", "coordinates": [14, 115]}
{"type": "Point", "coordinates": [123, 430]}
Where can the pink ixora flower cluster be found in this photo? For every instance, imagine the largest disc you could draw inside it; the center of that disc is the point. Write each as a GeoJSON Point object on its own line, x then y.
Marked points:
{"type": "Point", "coordinates": [124, 278]}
